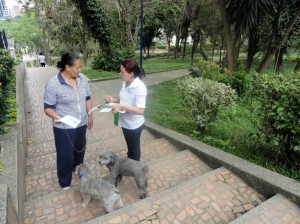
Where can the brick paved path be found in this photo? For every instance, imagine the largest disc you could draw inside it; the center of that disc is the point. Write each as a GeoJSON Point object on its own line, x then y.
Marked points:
{"type": "Point", "coordinates": [182, 188]}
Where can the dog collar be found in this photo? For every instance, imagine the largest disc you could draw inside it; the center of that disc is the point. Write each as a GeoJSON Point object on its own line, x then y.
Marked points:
{"type": "Point", "coordinates": [82, 174]}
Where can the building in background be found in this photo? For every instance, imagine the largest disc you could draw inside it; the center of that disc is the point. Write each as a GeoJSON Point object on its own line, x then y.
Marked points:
{"type": "Point", "coordinates": [3, 10]}
{"type": "Point", "coordinates": [14, 7]}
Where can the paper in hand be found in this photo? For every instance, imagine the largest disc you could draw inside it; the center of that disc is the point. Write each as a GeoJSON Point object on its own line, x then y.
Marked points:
{"type": "Point", "coordinates": [104, 108]}
{"type": "Point", "coordinates": [70, 120]}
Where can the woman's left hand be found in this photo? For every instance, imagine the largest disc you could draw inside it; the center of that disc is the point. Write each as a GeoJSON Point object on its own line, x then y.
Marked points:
{"type": "Point", "coordinates": [90, 122]}
{"type": "Point", "coordinates": [116, 108]}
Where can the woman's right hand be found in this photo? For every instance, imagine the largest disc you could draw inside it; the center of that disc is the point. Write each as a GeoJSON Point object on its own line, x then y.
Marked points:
{"type": "Point", "coordinates": [109, 99]}
{"type": "Point", "coordinates": [56, 119]}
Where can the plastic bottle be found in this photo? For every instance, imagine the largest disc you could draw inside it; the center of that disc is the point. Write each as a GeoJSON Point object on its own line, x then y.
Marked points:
{"type": "Point", "coordinates": [116, 118]}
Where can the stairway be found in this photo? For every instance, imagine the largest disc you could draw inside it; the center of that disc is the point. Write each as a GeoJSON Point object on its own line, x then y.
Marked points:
{"type": "Point", "coordinates": [182, 188]}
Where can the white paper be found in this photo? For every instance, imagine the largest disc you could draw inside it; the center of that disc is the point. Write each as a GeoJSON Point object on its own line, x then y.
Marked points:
{"type": "Point", "coordinates": [104, 108]}
{"type": "Point", "coordinates": [70, 120]}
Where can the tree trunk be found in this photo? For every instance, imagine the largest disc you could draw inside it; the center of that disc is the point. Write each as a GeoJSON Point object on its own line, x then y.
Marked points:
{"type": "Point", "coordinates": [194, 47]}
{"type": "Point", "coordinates": [184, 48]}
{"type": "Point", "coordinates": [169, 45]}
{"type": "Point", "coordinates": [229, 39]}
{"type": "Point", "coordinates": [177, 45]}
{"type": "Point", "coordinates": [84, 47]}
{"type": "Point", "coordinates": [270, 53]}
{"type": "Point", "coordinates": [213, 49]}
{"type": "Point", "coordinates": [252, 49]}
{"type": "Point", "coordinates": [278, 67]}
{"type": "Point", "coordinates": [204, 53]}
{"type": "Point", "coordinates": [47, 47]}
{"type": "Point", "coordinates": [297, 67]}
{"type": "Point", "coordinates": [202, 49]}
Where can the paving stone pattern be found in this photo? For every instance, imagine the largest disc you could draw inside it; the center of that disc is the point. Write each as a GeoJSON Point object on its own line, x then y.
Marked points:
{"type": "Point", "coordinates": [219, 197]}
{"type": "Point", "coordinates": [284, 212]}
{"type": "Point", "coordinates": [181, 188]}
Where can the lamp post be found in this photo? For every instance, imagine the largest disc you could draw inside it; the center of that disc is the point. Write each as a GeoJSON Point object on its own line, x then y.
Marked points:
{"type": "Point", "coordinates": [141, 34]}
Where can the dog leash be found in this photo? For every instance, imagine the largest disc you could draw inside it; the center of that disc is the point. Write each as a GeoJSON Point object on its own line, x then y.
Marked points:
{"type": "Point", "coordinates": [79, 151]}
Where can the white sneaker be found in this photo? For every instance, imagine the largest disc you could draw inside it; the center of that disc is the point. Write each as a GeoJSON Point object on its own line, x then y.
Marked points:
{"type": "Point", "coordinates": [65, 188]}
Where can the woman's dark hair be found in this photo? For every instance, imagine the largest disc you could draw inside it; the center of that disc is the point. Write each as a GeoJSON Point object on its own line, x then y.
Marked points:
{"type": "Point", "coordinates": [130, 65]}
{"type": "Point", "coordinates": [67, 59]}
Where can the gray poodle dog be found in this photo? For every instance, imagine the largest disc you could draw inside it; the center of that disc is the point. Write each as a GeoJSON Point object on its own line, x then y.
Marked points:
{"type": "Point", "coordinates": [119, 166]}
{"type": "Point", "coordinates": [97, 188]}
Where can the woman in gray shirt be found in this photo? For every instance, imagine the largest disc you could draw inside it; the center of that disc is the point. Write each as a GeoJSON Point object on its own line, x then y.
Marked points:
{"type": "Point", "coordinates": [68, 93]}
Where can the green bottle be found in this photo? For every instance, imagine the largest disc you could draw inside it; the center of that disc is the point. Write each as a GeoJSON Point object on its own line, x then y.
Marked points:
{"type": "Point", "coordinates": [116, 118]}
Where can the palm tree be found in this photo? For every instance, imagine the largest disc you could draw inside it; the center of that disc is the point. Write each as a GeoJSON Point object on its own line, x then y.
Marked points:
{"type": "Point", "coordinates": [239, 18]}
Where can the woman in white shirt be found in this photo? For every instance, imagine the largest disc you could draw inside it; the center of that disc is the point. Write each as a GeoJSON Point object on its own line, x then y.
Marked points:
{"type": "Point", "coordinates": [131, 101]}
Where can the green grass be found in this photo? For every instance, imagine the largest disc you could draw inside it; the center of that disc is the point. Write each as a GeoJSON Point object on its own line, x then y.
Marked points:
{"type": "Point", "coordinates": [164, 108]}
{"type": "Point", "coordinates": [165, 64]}
{"type": "Point", "coordinates": [95, 74]}
{"type": "Point", "coordinates": [149, 65]}
{"type": "Point", "coordinates": [233, 131]}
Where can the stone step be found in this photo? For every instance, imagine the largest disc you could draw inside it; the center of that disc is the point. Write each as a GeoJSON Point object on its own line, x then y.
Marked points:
{"type": "Point", "coordinates": [43, 163]}
{"type": "Point", "coordinates": [164, 174]}
{"type": "Point", "coordinates": [112, 135]}
{"type": "Point", "coordinates": [215, 197]}
{"type": "Point", "coordinates": [277, 209]}
{"type": "Point", "coordinates": [46, 182]}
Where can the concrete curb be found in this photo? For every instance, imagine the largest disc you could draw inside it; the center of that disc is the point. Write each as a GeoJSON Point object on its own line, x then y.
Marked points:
{"type": "Point", "coordinates": [265, 181]}
{"type": "Point", "coordinates": [13, 156]}
{"type": "Point", "coordinates": [259, 210]}
{"type": "Point", "coordinates": [7, 212]}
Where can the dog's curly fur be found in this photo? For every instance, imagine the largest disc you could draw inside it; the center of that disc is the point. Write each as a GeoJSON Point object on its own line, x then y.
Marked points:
{"type": "Point", "coordinates": [119, 167]}
{"type": "Point", "coordinates": [97, 188]}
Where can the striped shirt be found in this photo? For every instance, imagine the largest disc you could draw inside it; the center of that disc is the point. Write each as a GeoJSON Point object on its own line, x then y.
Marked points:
{"type": "Point", "coordinates": [60, 96]}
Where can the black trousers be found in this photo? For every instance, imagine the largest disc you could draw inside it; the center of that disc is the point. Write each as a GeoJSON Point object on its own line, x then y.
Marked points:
{"type": "Point", "coordinates": [70, 150]}
{"type": "Point", "coordinates": [132, 138]}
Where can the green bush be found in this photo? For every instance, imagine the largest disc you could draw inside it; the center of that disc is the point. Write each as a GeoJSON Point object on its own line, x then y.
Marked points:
{"type": "Point", "coordinates": [106, 62]}
{"type": "Point", "coordinates": [239, 127]}
{"type": "Point", "coordinates": [241, 82]}
{"type": "Point", "coordinates": [7, 91]}
{"type": "Point", "coordinates": [280, 110]}
{"type": "Point", "coordinates": [205, 98]}
{"type": "Point", "coordinates": [210, 70]}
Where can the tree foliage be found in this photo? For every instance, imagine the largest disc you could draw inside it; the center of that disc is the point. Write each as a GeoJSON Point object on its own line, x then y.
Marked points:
{"type": "Point", "coordinates": [95, 19]}
{"type": "Point", "coordinates": [24, 30]}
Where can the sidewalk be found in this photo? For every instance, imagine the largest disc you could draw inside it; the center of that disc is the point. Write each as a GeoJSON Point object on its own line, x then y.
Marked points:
{"type": "Point", "coordinates": [112, 87]}
{"type": "Point", "coordinates": [182, 188]}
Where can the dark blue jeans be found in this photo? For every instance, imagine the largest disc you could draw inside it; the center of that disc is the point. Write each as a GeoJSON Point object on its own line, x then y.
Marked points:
{"type": "Point", "coordinates": [132, 138]}
{"type": "Point", "coordinates": [67, 157]}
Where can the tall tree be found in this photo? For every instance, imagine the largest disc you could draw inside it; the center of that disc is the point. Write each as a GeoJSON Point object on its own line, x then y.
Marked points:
{"type": "Point", "coordinates": [230, 37]}
{"type": "Point", "coordinates": [96, 21]}
{"type": "Point", "coordinates": [240, 17]}
{"type": "Point", "coordinates": [169, 14]}
{"type": "Point", "coordinates": [285, 17]}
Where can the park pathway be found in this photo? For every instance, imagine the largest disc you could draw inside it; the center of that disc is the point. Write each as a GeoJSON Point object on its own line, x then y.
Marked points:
{"type": "Point", "coordinates": [182, 188]}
